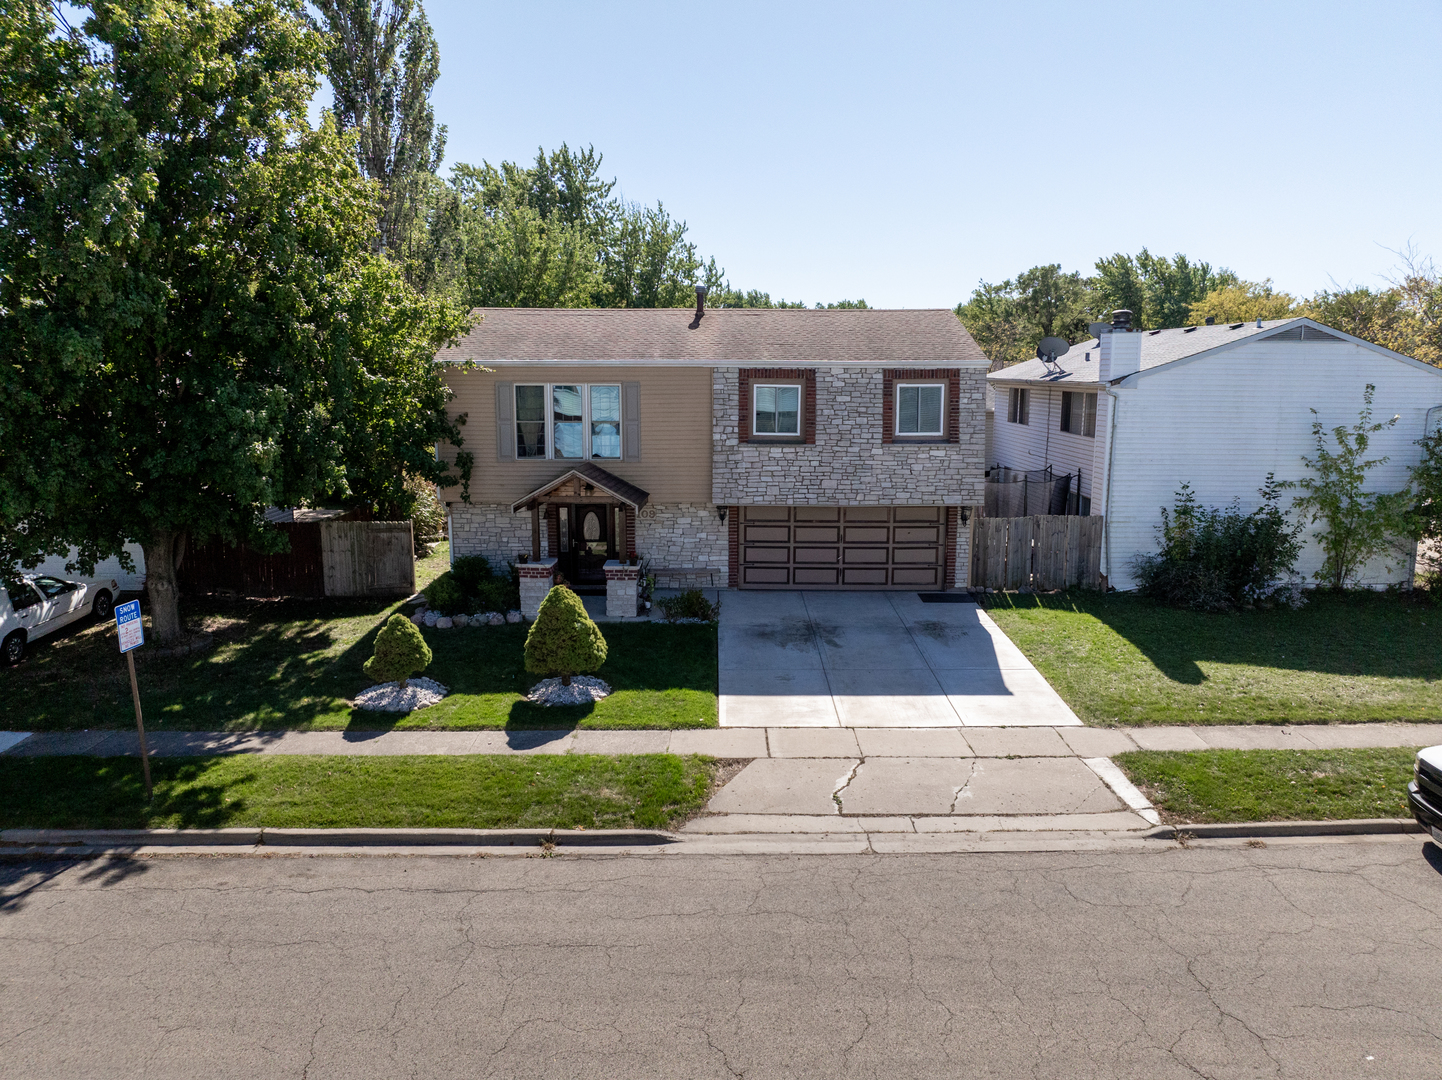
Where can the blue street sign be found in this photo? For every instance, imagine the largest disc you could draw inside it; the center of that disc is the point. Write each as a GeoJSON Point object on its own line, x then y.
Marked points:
{"type": "Point", "coordinates": [132, 630]}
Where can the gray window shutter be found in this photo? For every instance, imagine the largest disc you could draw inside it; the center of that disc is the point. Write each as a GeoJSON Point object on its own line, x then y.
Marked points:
{"type": "Point", "coordinates": [506, 421]}
{"type": "Point", "coordinates": [631, 421]}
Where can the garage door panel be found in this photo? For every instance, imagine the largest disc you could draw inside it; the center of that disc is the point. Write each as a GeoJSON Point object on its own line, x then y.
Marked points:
{"type": "Point", "coordinates": [817, 534]}
{"type": "Point", "coordinates": [865, 555]}
{"type": "Point", "coordinates": [865, 575]}
{"type": "Point", "coordinates": [767, 555]}
{"type": "Point", "coordinates": [854, 547]}
{"type": "Point", "coordinates": [830, 556]}
{"type": "Point", "coordinates": [813, 575]}
{"type": "Point", "coordinates": [765, 575]}
{"type": "Point", "coordinates": [916, 575]}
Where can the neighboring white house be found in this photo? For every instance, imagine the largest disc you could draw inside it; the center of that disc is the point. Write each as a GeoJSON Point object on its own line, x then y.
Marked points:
{"type": "Point", "coordinates": [1138, 413]}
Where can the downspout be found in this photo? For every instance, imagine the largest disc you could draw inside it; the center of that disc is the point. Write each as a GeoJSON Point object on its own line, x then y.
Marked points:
{"type": "Point", "coordinates": [1107, 494]}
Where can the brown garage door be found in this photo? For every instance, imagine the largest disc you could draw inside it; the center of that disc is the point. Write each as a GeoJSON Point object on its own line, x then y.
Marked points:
{"type": "Point", "coordinates": [842, 547]}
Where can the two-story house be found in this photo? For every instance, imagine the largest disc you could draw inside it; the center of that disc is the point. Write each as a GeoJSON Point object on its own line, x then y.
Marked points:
{"type": "Point", "coordinates": [760, 449]}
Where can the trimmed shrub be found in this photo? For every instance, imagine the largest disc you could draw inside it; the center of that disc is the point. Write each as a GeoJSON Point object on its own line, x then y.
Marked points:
{"type": "Point", "coordinates": [691, 604]}
{"type": "Point", "coordinates": [471, 572]}
{"type": "Point", "coordinates": [401, 652]}
{"type": "Point", "coordinates": [563, 641]}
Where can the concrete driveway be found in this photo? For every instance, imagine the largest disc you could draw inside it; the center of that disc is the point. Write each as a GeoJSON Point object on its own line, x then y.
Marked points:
{"type": "Point", "coordinates": [874, 659]}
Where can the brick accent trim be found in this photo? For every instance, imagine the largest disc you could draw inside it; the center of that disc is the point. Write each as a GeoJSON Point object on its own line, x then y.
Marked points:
{"type": "Point", "coordinates": [805, 376]}
{"type": "Point", "coordinates": [630, 539]}
{"type": "Point", "coordinates": [733, 554]}
{"type": "Point", "coordinates": [891, 376]}
{"type": "Point", "coordinates": [553, 529]}
{"type": "Point", "coordinates": [952, 534]}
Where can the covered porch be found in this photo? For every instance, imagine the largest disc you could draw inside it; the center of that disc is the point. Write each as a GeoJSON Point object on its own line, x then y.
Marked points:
{"type": "Point", "coordinates": [589, 515]}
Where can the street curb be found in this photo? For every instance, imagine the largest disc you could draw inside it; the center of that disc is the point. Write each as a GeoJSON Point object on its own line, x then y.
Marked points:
{"type": "Point", "coordinates": [129, 838]}
{"type": "Point", "coordinates": [1263, 829]}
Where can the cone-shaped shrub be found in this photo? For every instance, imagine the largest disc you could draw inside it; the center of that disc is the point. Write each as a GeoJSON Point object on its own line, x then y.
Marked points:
{"type": "Point", "coordinates": [563, 640]}
{"type": "Point", "coordinates": [401, 652]}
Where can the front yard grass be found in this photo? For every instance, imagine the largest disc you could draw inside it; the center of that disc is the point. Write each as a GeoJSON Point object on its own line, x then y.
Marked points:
{"type": "Point", "coordinates": [652, 791]}
{"type": "Point", "coordinates": [1197, 786]}
{"type": "Point", "coordinates": [1119, 659]}
{"type": "Point", "coordinates": [296, 663]}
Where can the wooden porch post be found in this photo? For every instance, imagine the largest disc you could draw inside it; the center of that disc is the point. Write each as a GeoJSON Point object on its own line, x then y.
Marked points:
{"type": "Point", "coordinates": [535, 531]}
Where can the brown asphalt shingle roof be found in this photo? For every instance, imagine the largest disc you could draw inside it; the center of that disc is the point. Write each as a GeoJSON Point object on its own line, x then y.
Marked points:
{"type": "Point", "coordinates": [773, 337]}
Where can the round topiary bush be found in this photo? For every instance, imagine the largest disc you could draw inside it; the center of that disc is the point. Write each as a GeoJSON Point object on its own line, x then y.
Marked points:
{"type": "Point", "coordinates": [563, 641]}
{"type": "Point", "coordinates": [401, 652]}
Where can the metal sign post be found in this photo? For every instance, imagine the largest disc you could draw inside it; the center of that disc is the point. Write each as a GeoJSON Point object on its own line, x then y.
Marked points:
{"type": "Point", "coordinates": [132, 636]}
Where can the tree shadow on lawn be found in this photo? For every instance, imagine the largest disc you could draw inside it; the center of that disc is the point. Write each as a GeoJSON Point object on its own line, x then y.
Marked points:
{"type": "Point", "coordinates": [78, 792]}
{"type": "Point", "coordinates": [271, 665]}
{"type": "Point", "coordinates": [1360, 633]}
{"type": "Point", "coordinates": [484, 670]}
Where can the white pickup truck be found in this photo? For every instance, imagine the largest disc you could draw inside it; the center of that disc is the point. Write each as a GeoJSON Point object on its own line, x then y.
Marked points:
{"type": "Point", "coordinates": [41, 604]}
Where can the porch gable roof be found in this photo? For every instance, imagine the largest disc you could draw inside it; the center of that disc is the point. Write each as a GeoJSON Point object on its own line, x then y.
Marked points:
{"type": "Point", "coordinates": [589, 473]}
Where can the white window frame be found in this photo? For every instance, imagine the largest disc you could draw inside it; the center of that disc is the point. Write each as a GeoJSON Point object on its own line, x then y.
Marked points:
{"type": "Point", "coordinates": [939, 433]}
{"type": "Point", "coordinates": [800, 389]}
{"type": "Point", "coordinates": [1079, 408]}
{"type": "Point", "coordinates": [1018, 405]}
{"type": "Point", "coordinates": [548, 396]}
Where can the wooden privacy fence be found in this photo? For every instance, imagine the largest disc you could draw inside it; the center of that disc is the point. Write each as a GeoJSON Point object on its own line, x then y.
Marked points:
{"type": "Point", "coordinates": [326, 558]}
{"type": "Point", "coordinates": [368, 558]}
{"type": "Point", "coordinates": [1043, 552]}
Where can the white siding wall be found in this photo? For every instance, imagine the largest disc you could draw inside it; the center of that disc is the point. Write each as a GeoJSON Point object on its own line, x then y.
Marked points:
{"type": "Point", "coordinates": [1223, 422]}
{"type": "Point", "coordinates": [1041, 441]}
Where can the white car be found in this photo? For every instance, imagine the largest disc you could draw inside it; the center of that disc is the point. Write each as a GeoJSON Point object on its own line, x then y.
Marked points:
{"type": "Point", "coordinates": [42, 604]}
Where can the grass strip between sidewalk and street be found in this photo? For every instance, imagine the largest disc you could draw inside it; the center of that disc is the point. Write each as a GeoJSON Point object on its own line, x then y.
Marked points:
{"type": "Point", "coordinates": [1120, 659]}
{"type": "Point", "coordinates": [1203, 786]}
{"type": "Point", "coordinates": [475, 791]}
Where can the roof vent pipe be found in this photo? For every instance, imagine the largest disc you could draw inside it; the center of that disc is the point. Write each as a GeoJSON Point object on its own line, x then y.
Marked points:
{"type": "Point", "coordinates": [700, 300]}
{"type": "Point", "coordinates": [1211, 320]}
{"type": "Point", "coordinates": [1121, 319]}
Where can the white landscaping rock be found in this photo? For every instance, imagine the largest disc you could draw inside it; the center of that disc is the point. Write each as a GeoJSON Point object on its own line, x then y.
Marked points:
{"type": "Point", "coordinates": [513, 616]}
{"type": "Point", "coordinates": [445, 622]}
{"type": "Point", "coordinates": [392, 697]}
{"type": "Point", "coordinates": [432, 618]}
{"type": "Point", "coordinates": [584, 690]}
{"type": "Point", "coordinates": [461, 620]}
{"type": "Point", "coordinates": [495, 618]}
{"type": "Point", "coordinates": [419, 618]}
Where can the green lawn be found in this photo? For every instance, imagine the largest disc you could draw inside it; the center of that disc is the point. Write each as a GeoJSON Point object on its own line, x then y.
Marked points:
{"type": "Point", "coordinates": [483, 792]}
{"type": "Point", "coordinates": [1119, 659]}
{"type": "Point", "coordinates": [1272, 785]}
{"type": "Point", "coordinates": [295, 664]}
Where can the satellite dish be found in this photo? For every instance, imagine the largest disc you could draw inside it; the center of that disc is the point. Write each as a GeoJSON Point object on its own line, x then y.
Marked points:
{"type": "Point", "coordinates": [1052, 347]}
{"type": "Point", "coordinates": [1095, 329]}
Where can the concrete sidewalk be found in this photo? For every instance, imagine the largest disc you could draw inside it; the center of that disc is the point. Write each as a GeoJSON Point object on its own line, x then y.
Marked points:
{"type": "Point", "coordinates": [774, 742]}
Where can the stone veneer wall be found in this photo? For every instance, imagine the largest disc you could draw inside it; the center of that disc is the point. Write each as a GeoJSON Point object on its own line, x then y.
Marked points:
{"type": "Point", "coordinates": [493, 531]}
{"type": "Point", "coordinates": [848, 465]}
{"type": "Point", "coordinates": [683, 534]}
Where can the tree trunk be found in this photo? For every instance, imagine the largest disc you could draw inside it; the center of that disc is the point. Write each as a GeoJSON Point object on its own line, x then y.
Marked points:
{"type": "Point", "coordinates": [565, 680]}
{"type": "Point", "coordinates": [162, 586]}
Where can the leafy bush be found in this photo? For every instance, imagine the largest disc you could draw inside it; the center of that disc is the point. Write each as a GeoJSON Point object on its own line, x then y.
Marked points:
{"type": "Point", "coordinates": [428, 516]}
{"type": "Point", "coordinates": [445, 594]}
{"type": "Point", "coordinates": [469, 586]}
{"type": "Point", "coordinates": [691, 604]}
{"type": "Point", "coordinates": [1217, 560]}
{"type": "Point", "coordinates": [401, 652]}
{"type": "Point", "coordinates": [563, 640]}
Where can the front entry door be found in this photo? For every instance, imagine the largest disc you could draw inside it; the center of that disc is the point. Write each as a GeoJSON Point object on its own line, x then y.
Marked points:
{"type": "Point", "coordinates": [588, 539]}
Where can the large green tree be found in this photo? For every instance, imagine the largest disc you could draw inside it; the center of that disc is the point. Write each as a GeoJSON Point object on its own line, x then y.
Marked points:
{"type": "Point", "coordinates": [383, 61]}
{"type": "Point", "coordinates": [184, 282]}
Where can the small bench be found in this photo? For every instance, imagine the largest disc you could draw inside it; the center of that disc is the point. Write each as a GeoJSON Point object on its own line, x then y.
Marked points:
{"type": "Point", "coordinates": [704, 575]}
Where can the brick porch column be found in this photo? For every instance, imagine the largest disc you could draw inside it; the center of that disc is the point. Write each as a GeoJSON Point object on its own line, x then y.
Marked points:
{"type": "Point", "coordinates": [536, 581]}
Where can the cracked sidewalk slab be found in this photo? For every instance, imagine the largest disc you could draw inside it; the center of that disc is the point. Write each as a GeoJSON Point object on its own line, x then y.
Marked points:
{"type": "Point", "coordinates": [785, 786]}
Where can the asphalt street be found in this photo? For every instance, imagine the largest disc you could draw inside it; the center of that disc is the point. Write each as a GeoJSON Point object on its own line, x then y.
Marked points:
{"type": "Point", "coordinates": [1299, 959]}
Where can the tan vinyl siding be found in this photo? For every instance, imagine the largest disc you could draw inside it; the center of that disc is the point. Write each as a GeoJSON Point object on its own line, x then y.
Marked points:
{"type": "Point", "coordinates": [675, 463]}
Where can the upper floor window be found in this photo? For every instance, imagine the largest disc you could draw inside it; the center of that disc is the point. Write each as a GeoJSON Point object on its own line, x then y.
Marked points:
{"type": "Point", "coordinates": [1079, 413]}
{"type": "Point", "coordinates": [1018, 404]}
{"type": "Point", "coordinates": [776, 409]}
{"type": "Point", "coordinates": [918, 408]}
{"type": "Point", "coordinates": [568, 421]}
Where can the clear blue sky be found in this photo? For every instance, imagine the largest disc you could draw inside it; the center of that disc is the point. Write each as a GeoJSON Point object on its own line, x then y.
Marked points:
{"type": "Point", "coordinates": [900, 152]}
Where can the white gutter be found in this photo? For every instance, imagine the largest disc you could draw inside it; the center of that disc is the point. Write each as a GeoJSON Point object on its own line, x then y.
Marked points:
{"type": "Point", "coordinates": [1107, 493]}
